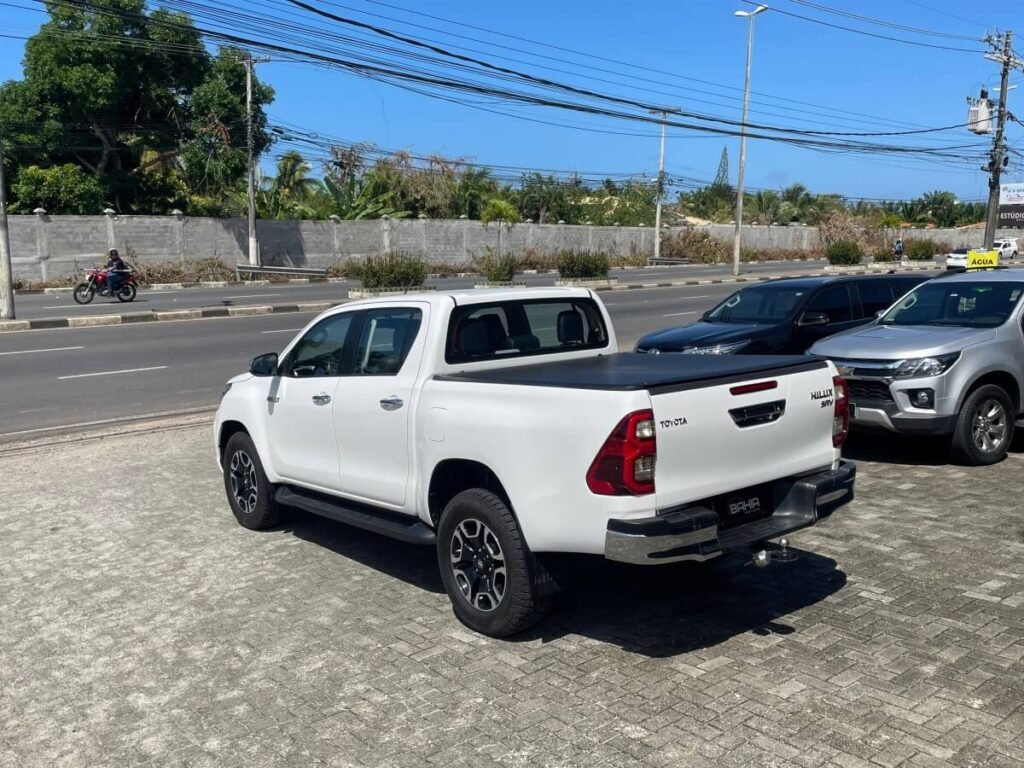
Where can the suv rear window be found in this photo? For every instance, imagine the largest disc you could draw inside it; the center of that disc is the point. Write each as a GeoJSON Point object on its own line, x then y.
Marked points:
{"type": "Point", "coordinates": [507, 329]}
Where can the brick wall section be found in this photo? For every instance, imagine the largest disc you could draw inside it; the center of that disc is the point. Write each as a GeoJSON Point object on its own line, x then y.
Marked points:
{"type": "Point", "coordinates": [45, 247]}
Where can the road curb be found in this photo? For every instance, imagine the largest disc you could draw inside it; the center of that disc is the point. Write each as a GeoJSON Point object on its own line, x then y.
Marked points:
{"type": "Point", "coordinates": [170, 315]}
{"type": "Point", "coordinates": [11, 326]}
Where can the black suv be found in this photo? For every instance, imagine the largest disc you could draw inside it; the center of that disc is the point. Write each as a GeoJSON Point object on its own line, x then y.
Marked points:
{"type": "Point", "coordinates": [783, 317]}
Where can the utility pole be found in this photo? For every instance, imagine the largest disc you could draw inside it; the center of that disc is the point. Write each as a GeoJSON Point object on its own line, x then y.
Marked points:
{"type": "Point", "coordinates": [738, 234]}
{"type": "Point", "coordinates": [6, 271]}
{"type": "Point", "coordinates": [254, 254]}
{"type": "Point", "coordinates": [1003, 55]}
{"type": "Point", "coordinates": [661, 182]}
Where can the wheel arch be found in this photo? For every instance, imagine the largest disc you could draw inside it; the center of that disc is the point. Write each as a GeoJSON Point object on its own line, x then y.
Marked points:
{"type": "Point", "coordinates": [228, 429]}
{"type": "Point", "coordinates": [1000, 378]}
{"type": "Point", "coordinates": [451, 477]}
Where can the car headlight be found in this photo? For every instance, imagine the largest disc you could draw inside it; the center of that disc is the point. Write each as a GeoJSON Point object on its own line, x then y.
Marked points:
{"type": "Point", "coordinates": [718, 349]}
{"type": "Point", "coordinates": [925, 366]}
{"type": "Point", "coordinates": [226, 388]}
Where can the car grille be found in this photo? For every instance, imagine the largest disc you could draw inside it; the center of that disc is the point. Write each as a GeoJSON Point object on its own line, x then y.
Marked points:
{"type": "Point", "coordinates": [868, 390]}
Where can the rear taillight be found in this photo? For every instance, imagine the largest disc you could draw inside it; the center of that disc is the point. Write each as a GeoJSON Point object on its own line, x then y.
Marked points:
{"type": "Point", "coordinates": [625, 464]}
{"type": "Point", "coordinates": [841, 414]}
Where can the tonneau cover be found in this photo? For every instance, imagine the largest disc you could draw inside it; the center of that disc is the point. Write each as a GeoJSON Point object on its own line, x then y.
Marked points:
{"type": "Point", "coordinates": [628, 371]}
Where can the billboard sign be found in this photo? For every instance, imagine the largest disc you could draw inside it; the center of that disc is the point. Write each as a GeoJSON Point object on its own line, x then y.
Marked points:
{"type": "Point", "coordinates": [1011, 205]}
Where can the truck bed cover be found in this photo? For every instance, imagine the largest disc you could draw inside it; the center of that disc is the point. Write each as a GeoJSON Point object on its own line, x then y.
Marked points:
{"type": "Point", "coordinates": [628, 371]}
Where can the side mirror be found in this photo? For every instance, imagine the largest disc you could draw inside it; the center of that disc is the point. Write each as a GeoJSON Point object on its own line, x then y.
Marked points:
{"type": "Point", "coordinates": [706, 315]}
{"type": "Point", "coordinates": [264, 365]}
{"type": "Point", "coordinates": [880, 312]}
{"type": "Point", "coordinates": [813, 318]}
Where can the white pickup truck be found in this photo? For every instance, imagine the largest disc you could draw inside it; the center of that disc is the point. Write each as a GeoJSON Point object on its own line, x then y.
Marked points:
{"type": "Point", "coordinates": [498, 426]}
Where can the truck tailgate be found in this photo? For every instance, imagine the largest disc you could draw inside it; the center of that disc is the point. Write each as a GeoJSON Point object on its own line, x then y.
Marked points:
{"type": "Point", "coordinates": [720, 437]}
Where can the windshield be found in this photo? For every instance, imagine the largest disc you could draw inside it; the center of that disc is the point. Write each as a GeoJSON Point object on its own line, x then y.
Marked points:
{"type": "Point", "coordinates": [968, 305]}
{"type": "Point", "coordinates": [762, 304]}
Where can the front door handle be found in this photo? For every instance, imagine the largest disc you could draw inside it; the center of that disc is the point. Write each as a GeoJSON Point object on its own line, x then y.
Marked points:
{"type": "Point", "coordinates": [391, 403]}
{"type": "Point", "coordinates": [322, 399]}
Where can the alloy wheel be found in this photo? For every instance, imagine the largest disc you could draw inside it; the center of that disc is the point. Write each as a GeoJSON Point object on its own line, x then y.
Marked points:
{"type": "Point", "coordinates": [478, 565]}
{"type": "Point", "coordinates": [244, 485]}
{"type": "Point", "coordinates": [989, 425]}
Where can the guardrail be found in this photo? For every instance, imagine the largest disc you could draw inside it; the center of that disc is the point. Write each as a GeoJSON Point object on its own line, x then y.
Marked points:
{"type": "Point", "coordinates": [244, 269]}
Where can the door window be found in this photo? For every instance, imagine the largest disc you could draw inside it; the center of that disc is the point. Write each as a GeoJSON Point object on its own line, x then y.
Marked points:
{"type": "Point", "coordinates": [386, 338]}
{"type": "Point", "coordinates": [834, 301]}
{"type": "Point", "coordinates": [875, 296]}
{"type": "Point", "coordinates": [322, 350]}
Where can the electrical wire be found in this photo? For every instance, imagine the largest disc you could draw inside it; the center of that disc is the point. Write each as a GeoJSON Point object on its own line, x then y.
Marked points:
{"type": "Point", "coordinates": [879, 22]}
{"type": "Point", "coordinates": [869, 34]}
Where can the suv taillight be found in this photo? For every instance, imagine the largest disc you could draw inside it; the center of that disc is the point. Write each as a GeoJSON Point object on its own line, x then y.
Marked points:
{"type": "Point", "coordinates": [625, 464]}
{"type": "Point", "coordinates": [841, 414]}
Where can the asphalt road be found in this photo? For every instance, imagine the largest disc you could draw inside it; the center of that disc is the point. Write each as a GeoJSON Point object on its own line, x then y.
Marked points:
{"type": "Point", "coordinates": [72, 376]}
{"type": "Point", "coordinates": [62, 305]}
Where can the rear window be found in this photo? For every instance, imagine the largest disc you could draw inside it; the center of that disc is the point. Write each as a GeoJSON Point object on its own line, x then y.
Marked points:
{"type": "Point", "coordinates": [524, 328]}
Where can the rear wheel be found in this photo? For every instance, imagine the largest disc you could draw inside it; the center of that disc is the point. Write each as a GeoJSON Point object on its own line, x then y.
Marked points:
{"type": "Point", "coordinates": [127, 292]}
{"type": "Point", "coordinates": [984, 427]}
{"type": "Point", "coordinates": [83, 293]}
{"type": "Point", "coordinates": [487, 569]}
{"type": "Point", "coordinates": [250, 494]}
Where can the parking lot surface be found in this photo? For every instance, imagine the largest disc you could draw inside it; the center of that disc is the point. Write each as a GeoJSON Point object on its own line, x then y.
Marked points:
{"type": "Point", "coordinates": [139, 625]}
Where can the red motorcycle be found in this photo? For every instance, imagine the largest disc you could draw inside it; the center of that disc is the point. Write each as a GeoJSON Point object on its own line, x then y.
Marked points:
{"type": "Point", "coordinates": [96, 282]}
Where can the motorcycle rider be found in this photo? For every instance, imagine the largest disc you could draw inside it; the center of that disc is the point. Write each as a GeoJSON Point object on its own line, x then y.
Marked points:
{"type": "Point", "coordinates": [116, 269]}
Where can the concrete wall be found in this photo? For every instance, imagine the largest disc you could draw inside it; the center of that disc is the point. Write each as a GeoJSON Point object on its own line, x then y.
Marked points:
{"type": "Point", "coordinates": [46, 247]}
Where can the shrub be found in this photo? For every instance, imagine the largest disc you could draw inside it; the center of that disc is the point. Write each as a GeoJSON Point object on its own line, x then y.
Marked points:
{"type": "Point", "coordinates": [695, 246]}
{"type": "Point", "coordinates": [583, 264]}
{"type": "Point", "coordinates": [882, 254]}
{"type": "Point", "coordinates": [844, 252]}
{"type": "Point", "coordinates": [919, 250]}
{"type": "Point", "coordinates": [346, 268]}
{"type": "Point", "coordinates": [497, 268]}
{"type": "Point", "coordinates": [531, 258]}
{"type": "Point", "coordinates": [185, 271]}
{"type": "Point", "coordinates": [392, 270]}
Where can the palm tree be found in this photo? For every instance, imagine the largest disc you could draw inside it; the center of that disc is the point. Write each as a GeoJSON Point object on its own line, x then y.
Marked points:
{"type": "Point", "coordinates": [940, 208]}
{"type": "Point", "coordinates": [292, 183]}
{"type": "Point", "coordinates": [766, 207]}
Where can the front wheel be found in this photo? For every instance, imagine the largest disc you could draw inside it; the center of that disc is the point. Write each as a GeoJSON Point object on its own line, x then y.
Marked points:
{"type": "Point", "coordinates": [127, 292]}
{"type": "Point", "coordinates": [984, 427]}
{"type": "Point", "coordinates": [487, 569]}
{"type": "Point", "coordinates": [84, 293]}
{"type": "Point", "coordinates": [250, 494]}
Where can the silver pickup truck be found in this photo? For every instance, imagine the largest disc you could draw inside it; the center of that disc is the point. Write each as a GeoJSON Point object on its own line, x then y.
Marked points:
{"type": "Point", "coordinates": [946, 360]}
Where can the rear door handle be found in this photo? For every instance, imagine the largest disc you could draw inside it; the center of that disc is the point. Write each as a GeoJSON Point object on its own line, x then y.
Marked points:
{"type": "Point", "coordinates": [391, 403]}
{"type": "Point", "coordinates": [322, 399]}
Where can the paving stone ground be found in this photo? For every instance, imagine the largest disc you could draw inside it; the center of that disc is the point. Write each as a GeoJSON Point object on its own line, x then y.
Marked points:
{"type": "Point", "coordinates": [139, 625]}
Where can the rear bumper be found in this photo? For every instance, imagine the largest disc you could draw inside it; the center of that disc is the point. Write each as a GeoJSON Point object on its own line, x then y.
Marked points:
{"type": "Point", "coordinates": [694, 533]}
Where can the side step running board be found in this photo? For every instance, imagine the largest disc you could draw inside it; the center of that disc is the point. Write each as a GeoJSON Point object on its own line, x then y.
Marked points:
{"type": "Point", "coordinates": [411, 530]}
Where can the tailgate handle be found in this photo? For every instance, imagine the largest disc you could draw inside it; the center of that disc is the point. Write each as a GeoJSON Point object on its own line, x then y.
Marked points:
{"type": "Point", "coordinates": [763, 413]}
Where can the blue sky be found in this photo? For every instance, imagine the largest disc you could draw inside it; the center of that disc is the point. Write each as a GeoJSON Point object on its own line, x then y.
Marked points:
{"type": "Point", "coordinates": [844, 81]}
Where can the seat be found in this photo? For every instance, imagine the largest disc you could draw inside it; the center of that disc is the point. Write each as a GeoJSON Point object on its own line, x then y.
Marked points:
{"type": "Point", "coordinates": [570, 328]}
{"type": "Point", "coordinates": [496, 335]}
{"type": "Point", "coordinates": [474, 340]}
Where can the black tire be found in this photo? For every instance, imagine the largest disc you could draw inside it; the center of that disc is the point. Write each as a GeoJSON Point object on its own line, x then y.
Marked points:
{"type": "Point", "coordinates": [983, 430]}
{"type": "Point", "coordinates": [250, 494]}
{"type": "Point", "coordinates": [83, 293]}
{"type": "Point", "coordinates": [472, 525]}
{"type": "Point", "coordinates": [127, 292]}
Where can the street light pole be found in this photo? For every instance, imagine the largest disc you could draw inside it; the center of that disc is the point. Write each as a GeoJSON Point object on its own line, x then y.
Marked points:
{"type": "Point", "coordinates": [254, 258]}
{"type": "Point", "coordinates": [661, 181]}
{"type": "Point", "coordinates": [6, 271]}
{"type": "Point", "coordinates": [737, 236]}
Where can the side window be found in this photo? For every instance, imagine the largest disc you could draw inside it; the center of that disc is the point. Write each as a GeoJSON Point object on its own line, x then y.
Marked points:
{"type": "Point", "coordinates": [322, 350]}
{"type": "Point", "coordinates": [834, 301]}
{"type": "Point", "coordinates": [385, 340]}
{"type": "Point", "coordinates": [875, 295]}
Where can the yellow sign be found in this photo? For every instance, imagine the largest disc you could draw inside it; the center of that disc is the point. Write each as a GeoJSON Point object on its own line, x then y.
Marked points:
{"type": "Point", "coordinates": [982, 259]}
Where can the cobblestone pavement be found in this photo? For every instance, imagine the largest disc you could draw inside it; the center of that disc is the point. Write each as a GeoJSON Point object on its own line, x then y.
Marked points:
{"type": "Point", "coordinates": [139, 625]}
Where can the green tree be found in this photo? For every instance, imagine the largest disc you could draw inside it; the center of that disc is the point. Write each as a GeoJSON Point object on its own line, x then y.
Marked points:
{"type": "Point", "coordinates": [59, 190]}
{"type": "Point", "coordinates": [940, 208]}
{"type": "Point", "coordinates": [108, 83]}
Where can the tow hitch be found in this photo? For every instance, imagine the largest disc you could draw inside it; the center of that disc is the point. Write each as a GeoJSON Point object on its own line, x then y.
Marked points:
{"type": "Point", "coordinates": [762, 558]}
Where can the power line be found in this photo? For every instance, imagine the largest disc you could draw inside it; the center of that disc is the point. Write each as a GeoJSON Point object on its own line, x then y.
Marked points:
{"type": "Point", "coordinates": [879, 22]}
{"type": "Point", "coordinates": [869, 34]}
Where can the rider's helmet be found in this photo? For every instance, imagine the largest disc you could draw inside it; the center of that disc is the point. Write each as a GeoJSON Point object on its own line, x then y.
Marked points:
{"type": "Point", "coordinates": [112, 253]}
